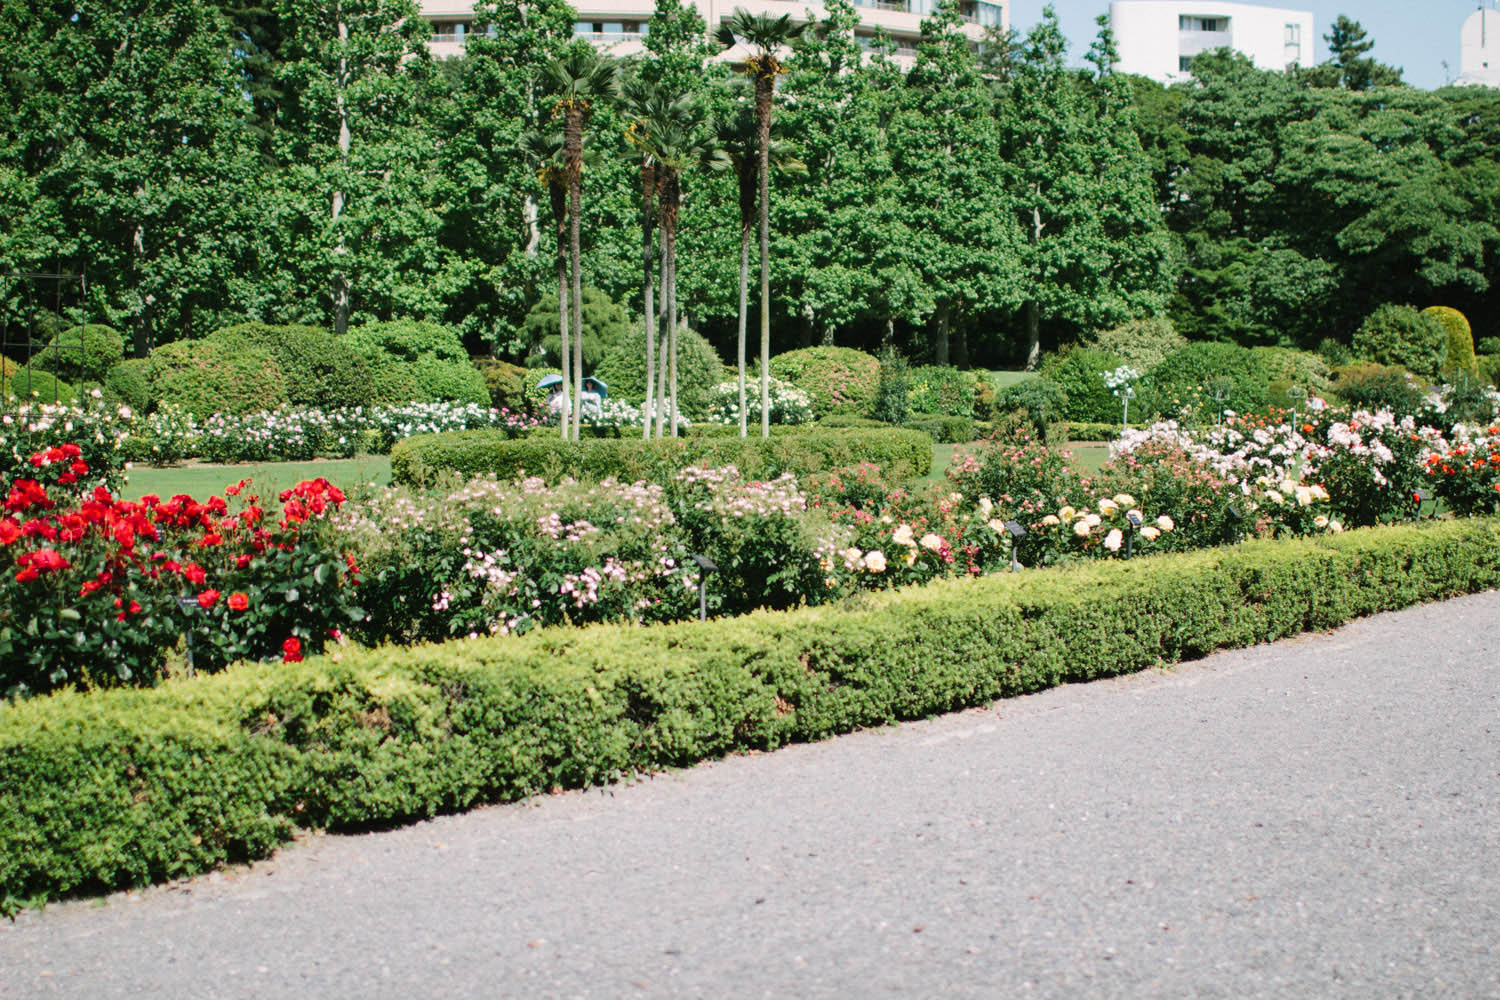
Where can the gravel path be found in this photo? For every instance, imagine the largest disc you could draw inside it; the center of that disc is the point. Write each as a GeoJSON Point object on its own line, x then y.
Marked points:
{"type": "Point", "coordinates": [1318, 817]}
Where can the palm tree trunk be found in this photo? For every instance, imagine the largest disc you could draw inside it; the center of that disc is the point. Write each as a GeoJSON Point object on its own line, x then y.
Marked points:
{"type": "Point", "coordinates": [765, 88]}
{"type": "Point", "coordinates": [648, 191]}
{"type": "Point", "coordinates": [744, 308]}
{"type": "Point", "coordinates": [574, 142]}
{"type": "Point", "coordinates": [672, 321]}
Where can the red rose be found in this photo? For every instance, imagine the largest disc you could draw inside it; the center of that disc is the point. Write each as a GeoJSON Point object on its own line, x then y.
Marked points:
{"type": "Point", "coordinates": [208, 598]}
{"type": "Point", "coordinates": [194, 573]}
{"type": "Point", "coordinates": [291, 651]}
{"type": "Point", "coordinates": [9, 531]}
{"type": "Point", "coordinates": [239, 601]}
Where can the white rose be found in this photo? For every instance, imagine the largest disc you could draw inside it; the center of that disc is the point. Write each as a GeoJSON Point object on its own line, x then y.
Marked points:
{"type": "Point", "coordinates": [1093, 520]}
{"type": "Point", "coordinates": [931, 542]}
{"type": "Point", "coordinates": [1165, 523]}
{"type": "Point", "coordinates": [1113, 540]}
{"type": "Point", "coordinates": [1149, 533]}
{"type": "Point", "coordinates": [1050, 521]}
{"type": "Point", "coordinates": [903, 536]}
{"type": "Point", "coordinates": [997, 525]}
{"type": "Point", "coordinates": [1108, 508]}
{"type": "Point", "coordinates": [875, 561]}
{"type": "Point", "coordinates": [985, 506]}
{"type": "Point", "coordinates": [1125, 500]}
{"type": "Point", "coordinates": [1320, 522]}
{"type": "Point", "coordinates": [1082, 529]}
{"type": "Point", "coordinates": [1275, 497]}
{"type": "Point", "coordinates": [1066, 513]}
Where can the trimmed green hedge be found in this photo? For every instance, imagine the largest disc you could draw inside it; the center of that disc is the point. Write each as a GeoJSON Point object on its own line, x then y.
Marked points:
{"type": "Point", "coordinates": [944, 429]}
{"type": "Point", "coordinates": [903, 454]}
{"type": "Point", "coordinates": [130, 786]}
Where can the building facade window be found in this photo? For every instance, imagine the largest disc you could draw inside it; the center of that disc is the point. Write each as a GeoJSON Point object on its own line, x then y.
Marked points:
{"type": "Point", "coordinates": [1192, 22]}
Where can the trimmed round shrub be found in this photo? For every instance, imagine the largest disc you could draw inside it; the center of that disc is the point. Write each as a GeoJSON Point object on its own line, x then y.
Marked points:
{"type": "Point", "coordinates": [1141, 343]}
{"type": "Point", "coordinates": [1400, 335]}
{"type": "Point", "coordinates": [320, 369]}
{"type": "Point", "coordinates": [1188, 379]}
{"type": "Point", "coordinates": [1039, 402]}
{"type": "Point", "coordinates": [129, 382]}
{"type": "Point", "coordinates": [415, 362]}
{"type": "Point", "coordinates": [81, 354]}
{"type": "Point", "coordinates": [837, 379]}
{"type": "Point", "coordinates": [941, 390]}
{"type": "Point", "coordinates": [1079, 375]}
{"type": "Point", "coordinates": [699, 369]}
{"type": "Point", "coordinates": [606, 324]}
{"type": "Point", "coordinates": [1304, 369]}
{"type": "Point", "coordinates": [34, 384]}
{"type": "Point", "coordinates": [1460, 343]}
{"type": "Point", "coordinates": [1371, 386]}
{"type": "Point", "coordinates": [205, 377]}
{"type": "Point", "coordinates": [506, 384]}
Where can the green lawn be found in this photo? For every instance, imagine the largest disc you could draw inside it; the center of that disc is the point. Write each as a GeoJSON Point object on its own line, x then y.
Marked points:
{"type": "Point", "coordinates": [1003, 380]}
{"type": "Point", "coordinates": [1087, 458]}
{"type": "Point", "coordinates": [267, 478]}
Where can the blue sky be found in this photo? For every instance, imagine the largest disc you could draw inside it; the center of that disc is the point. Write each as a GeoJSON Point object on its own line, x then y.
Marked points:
{"type": "Point", "coordinates": [1417, 35]}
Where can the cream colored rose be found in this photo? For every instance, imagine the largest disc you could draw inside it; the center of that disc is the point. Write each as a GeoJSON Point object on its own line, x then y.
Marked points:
{"type": "Point", "coordinates": [1108, 507]}
{"type": "Point", "coordinates": [1275, 496]}
{"type": "Point", "coordinates": [1165, 523]}
{"type": "Point", "coordinates": [1067, 513]}
{"type": "Point", "coordinates": [1082, 529]}
{"type": "Point", "coordinates": [1304, 496]}
{"type": "Point", "coordinates": [997, 525]}
{"type": "Point", "coordinates": [1150, 533]}
{"type": "Point", "coordinates": [932, 543]}
{"type": "Point", "coordinates": [1320, 522]}
{"type": "Point", "coordinates": [1093, 520]}
{"type": "Point", "coordinates": [903, 536]}
{"type": "Point", "coordinates": [1318, 492]}
{"type": "Point", "coordinates": [1125, 500]}
{"type": "Point", "coordinates": [1050, 521]}
{"type": "Point", "coordinates": [986, 505]}
{"type": "Point", "coordinates": [1114, 540]}
{"type": "Point", "coordinates": [875, 561]}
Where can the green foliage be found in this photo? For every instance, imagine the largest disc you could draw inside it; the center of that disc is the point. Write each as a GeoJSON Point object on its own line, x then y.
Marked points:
{"type": "Point", "coordinates": [838, 379]}
{"type": "Point", "coordinates": [1293, 367]}
{"type": "Point", "coordinates": [1460, 344]}
{"type": "Point", "coordinates": [699, 369]}
{"type": "Point", "coordinates": [1187, 379]}
{"type": "Point", "coordinates": [903, 454]}
{"type": "Point", "coordinates": [893, 392]}
{"type": "Point", "coordinates": [1042, 402]}
{"type": "Point", "coordinates": [941, 390]}
{"type": "Point", "coordinates": [1140, 343]}
{"type": "Point", "coordinates": [1334, 352]}
{"type": "Point", "coordinates": [129, 382]}
{"type": "Point", "coordinates": [1370, 386]}
{"type": "Point", "coordinates": [320, 370]}
{"type": "Point", "coordinates": [606, 326]}
{"type": "Point", "coordinates": [1402, 336]}
{"type": "Point", "coordinates": [81, 354]}
{"type": "Point", "coordinates": [506, 384]}
{"type": "Point", "coordinates": [1079, 375]}
{"type": "Point", "coordinates": [1489, 368]}
{"type": "Point", "coordinates": [1488, 345]}
{"type": "Point", "coordinates": [21, 382]}
{"type": "Point", "coordinates": [944, 429]}
{"type": "Point", "coordinates": [124, 788]}
{"type": "Point", "coordinates": [836, 420]}
{"type": "Point", "coordinates": [417, 362]}
{"type": "Point", "coordinates": [205, 377]}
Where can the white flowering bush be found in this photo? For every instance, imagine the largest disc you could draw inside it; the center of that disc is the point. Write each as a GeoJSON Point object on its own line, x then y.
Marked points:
{"type": "Point", "coordinates": [789, 405]}
{"type": "Point", "coordinates": [98, 429]}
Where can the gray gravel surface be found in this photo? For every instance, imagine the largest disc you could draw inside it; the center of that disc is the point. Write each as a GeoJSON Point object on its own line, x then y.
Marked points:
{"type": "Point", "coordinates": [1318, 817]}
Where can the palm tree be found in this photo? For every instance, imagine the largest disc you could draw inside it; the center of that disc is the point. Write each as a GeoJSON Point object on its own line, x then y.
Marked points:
{"type": "Point", "coordinates": [648, 107]}
{"type": "Point", "coordinates": [680, 144]}
{"type": "Point", "coordinates": [545, 152]}
{"type": "Point", "coordinates": [765, 35]}
{"type": "Point", "coordinates": [578, 78]}
{"type": "Point", "coordinates": [737, 137]}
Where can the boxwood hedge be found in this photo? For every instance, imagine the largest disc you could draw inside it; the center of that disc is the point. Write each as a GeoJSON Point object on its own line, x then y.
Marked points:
{"type": "Point", "coordinates": [126, 787]}
{"type": "Point", "coordinates": [903, 454]}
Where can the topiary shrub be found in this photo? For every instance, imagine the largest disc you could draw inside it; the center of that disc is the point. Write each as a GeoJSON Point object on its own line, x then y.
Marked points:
{"type": "Point", "coordinates": [838, 379]}
{"type": "Point", "coordinates": [415, 362]}
{"type": "Point", "coordinates": [698, 370]}
{"type": "Point", "coordinates": [1400, 335]}
{"type": "Point", "coordinates": [606, 325]}
{"type": "Point", "coordinates": [506, 384]}
{"type": "Point", "coordinates": [320, 369]}
{"type": "Point", "coordinates": [943, 428]}
{"type": "Point", "coordinates": [1303, 369]}
{"type": "Point", "coordinates": [941, 390]}
{"type": "Point", "coordinates": [893, 391]}
{"type": "Point", "coordinates": [1141, 343]}
{"type": "Point", "coordinates": [129, 382]}
{"type": "Point", "coordinates": [1459, 356]}
{"type": "Point", "coordinates": [1079, 375]}
{"type": "Point", "coordinates": [1040, 402]}
{"type": "Point", "coordinates": [1187, 379]}
{"type": "Point", "coordinates": [20, 382]}
{"type": "Point", "coordinates": [1371, 386]}
{"type": "Point", "coordinates": [204, 377]}
{"type": "Point", "coordinates": [81, 354]}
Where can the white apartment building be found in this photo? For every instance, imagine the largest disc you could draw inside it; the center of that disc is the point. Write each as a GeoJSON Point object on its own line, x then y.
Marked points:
{"type": "Point", "coordinates": [1159, 38]}
{"type": "Point", "coordinates": [618, 26]}
{"type": "Point", "coordinates": [1479, 50]}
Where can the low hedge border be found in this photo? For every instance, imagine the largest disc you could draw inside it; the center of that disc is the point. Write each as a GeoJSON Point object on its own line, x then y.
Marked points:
{"type": "Point", "coordinates": [127, 787]}
{"type": "Point", "coordinates": [902, 454]}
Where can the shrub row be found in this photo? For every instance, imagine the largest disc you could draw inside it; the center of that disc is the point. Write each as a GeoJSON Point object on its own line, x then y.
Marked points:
{"type": "Point", "coordinates": [127, 787]}
{"type": "Point", "coordinates": [903, 454]}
